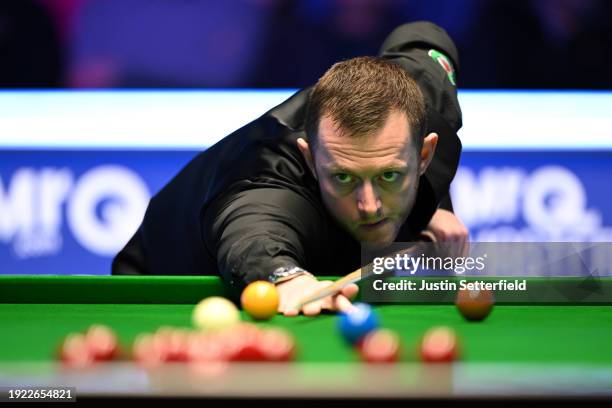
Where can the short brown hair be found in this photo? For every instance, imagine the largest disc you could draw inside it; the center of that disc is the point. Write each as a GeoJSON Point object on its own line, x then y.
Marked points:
{"type": "Point", "coordinates": [358, 94]}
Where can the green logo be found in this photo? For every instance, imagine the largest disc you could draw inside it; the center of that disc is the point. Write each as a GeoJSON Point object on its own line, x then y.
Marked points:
{"type": "Point", "coordinates": [444, 63]}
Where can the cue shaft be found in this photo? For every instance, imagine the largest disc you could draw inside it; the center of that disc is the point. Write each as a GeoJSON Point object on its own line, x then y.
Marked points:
{"type": "Point", "coordinates": [358, 275]}
{"type": "Point", "coordinates": [332, 289]}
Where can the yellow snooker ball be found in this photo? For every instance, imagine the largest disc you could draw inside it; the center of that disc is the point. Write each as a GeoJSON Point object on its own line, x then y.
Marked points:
{"type": "Point", "coordinates": [215, 313]}
{"type": "Point", "coordinates": [260, 300]}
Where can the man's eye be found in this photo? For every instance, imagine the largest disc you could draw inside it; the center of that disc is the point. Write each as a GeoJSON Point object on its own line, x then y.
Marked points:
{"type": "Point", "coordinates": [390, 176]}
{"type": "Point", "coordinates": [343, 178]}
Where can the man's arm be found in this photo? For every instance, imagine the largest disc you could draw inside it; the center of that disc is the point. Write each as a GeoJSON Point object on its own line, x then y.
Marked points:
{"type": "Point", "coordinates": [446, 204]}
{"type": "Point", "coordinates": [448, 229]}
{"type": "Point", "coordinates": [445, 225]}
{"type": "Point", "coordinates": [254, 232]}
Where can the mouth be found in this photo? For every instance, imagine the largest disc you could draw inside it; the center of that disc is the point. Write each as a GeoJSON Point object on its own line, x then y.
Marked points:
{"type": "Point", "coordinates": [373, 225]}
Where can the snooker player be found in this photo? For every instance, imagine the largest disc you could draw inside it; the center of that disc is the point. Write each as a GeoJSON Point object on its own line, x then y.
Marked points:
{"type": "Point", "coordinates": [365, 157]}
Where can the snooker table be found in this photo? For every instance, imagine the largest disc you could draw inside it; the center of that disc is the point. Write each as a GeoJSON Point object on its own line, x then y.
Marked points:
{"type": "Point", "coordinates": [520, 351]}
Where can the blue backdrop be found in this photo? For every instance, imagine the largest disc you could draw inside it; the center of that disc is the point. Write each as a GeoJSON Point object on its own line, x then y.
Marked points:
{"type": "Point", "coordinates": [77, 170]}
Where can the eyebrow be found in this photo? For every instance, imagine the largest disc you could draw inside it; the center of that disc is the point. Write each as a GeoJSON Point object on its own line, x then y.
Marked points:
{"type": "Point", "coordinates": [389, 167]}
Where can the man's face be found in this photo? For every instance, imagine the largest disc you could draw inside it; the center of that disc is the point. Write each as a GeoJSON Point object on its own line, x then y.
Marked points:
{"type": "Point", "coordinates": [369, 183]}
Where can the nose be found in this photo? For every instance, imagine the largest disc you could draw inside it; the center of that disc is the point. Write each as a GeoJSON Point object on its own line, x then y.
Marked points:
{"type": "Point", "coordinates": [368, 201]}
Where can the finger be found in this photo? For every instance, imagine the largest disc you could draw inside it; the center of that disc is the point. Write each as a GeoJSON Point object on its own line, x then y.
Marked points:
{"type": "Point", "coordinates": [291, 311]}
{"type": "Point", "coordinates": [342, 304]}
{"type": "Point", "coordinates": [286, 305]}
{"type": "Point", "coordinates": [327, 303]}
{"type": "Point", "coordinates": [428, 235]}
{"type": "Point", "coordinates": [464, 246]}
{"type": "Point", "coordinates": [312, 309]}
{"type": "Point", "coordinates": [350, 291]}
{"type": "Point", "coordinates": [461, 234]}
{"type": "Point", "coordinates": [281, 306]}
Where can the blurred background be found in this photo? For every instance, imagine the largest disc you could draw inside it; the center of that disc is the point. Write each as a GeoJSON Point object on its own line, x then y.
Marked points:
{"type": "Point", "coordinates": [103, 101]}
{"type": "Point", "coordinates": [543, 44]}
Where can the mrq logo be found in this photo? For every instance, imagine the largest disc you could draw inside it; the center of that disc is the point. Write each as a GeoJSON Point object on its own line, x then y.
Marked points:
{"type": "Point", "coordinates": [508, 204]}
{"type": "Point", "coordinates": [102, 209]}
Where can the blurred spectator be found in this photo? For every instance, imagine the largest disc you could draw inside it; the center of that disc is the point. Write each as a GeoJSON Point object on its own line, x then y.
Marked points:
{"type": "Point", "coordinates": [307, 37]}
{"type": "Point", "coordinates": [30, 51]}
{"type": "Point", "coordinates": [63, 13]}
{"type": "Point", "coordinates": [166, 43]}
{"type": "Point", "coordinates": [290, 43]}
{"type": "Point", "coordinates": [540, 44]}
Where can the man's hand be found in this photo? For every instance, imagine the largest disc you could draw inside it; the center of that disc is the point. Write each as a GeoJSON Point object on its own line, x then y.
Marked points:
{"type": "Point", "coordinates": [450, 232]}
{"type": "Point", "coordinates": [294, 290]}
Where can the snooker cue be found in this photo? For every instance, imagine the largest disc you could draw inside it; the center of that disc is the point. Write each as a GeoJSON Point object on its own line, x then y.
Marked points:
{"type": "Point", "coordinates": [353, 277]}
{"type": "Point", "coordinates": [332, 289]}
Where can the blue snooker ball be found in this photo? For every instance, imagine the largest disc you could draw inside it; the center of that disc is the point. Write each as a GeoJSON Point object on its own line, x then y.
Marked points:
{"type": "Point", "coordinates": [357, 323]}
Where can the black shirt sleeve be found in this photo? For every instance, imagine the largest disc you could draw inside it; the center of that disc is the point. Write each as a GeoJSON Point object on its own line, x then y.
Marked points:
{"type": "Point", "coordinates": [255, 231]}
{"type": "Point", "coordinates": [411, 45]}
{"type": "Point", "coordinates": [446, 203]}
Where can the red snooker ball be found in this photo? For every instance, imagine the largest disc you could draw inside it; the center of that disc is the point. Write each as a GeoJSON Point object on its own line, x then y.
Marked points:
{"type": "Point", "coordinates": [475, 305]}
{"type": "Point", "coordinates": [439, 345]}
{"type": "Point", "coordinates": [380, 346]}
{"type": "Point", "coordinates": [206, 348]}
{"type": "Point", "coordinates": [241, 343]}
{"type": "Point", "coordinates": [149, 351]}
{"type": "Point", "coordinates": [177, 343]}
{"type": "Point", "coordinates": [102, 342]}
{"type": "Point", "coordinates": [277, 345]}
{"type": "Point", "coordinates": [74, 351]}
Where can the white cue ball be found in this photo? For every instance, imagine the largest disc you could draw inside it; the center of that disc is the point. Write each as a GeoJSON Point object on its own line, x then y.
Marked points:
{"type": "Point", "coordinates": [215, 313]}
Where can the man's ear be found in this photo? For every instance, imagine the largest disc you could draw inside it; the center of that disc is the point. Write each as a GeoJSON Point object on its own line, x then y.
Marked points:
{"type": "Point", "coordinates": [427, 152]}
{"type": "Point", "coordinates": [307, 154]}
